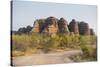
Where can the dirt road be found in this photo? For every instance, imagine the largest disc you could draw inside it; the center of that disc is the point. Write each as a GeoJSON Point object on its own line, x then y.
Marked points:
{"type": "Point", "coordinates": [50, 58]}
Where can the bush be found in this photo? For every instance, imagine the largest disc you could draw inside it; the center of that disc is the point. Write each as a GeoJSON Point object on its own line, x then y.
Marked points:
{"type": "Point", "coordinates": [89, 53]}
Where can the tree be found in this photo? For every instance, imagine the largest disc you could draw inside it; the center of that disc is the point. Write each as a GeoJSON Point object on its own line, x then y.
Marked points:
{"type": "Point", "coordinates": [24, 30]}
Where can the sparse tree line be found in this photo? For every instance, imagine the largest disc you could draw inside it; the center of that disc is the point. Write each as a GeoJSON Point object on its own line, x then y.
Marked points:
{"type": "Point", "coordinates": [23, 30]}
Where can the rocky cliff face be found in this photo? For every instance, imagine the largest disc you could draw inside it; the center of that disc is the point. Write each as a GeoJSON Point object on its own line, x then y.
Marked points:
{"type": "Point", "coordinates": [54, 25]}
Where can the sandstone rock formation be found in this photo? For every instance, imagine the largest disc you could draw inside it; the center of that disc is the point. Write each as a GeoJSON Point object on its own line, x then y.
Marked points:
{"type": "Point", "coordinates": [73, 26]}
{"type": "Point", "coordinates": [50, 25]}
{"type": "Point", "coordinates": [84, 28]}
{"type": "Point", "coordinates": [36, 27]}
{"type": "Point", "coordinates": [92, 32]}
{"type": "Point", "coordinates": [53, 25]}
{"type": "Point", "coordinates": [63, 25]}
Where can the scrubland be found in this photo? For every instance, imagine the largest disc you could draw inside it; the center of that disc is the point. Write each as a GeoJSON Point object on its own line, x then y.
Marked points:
{"type": "Point", "coordinates": [34, 43]}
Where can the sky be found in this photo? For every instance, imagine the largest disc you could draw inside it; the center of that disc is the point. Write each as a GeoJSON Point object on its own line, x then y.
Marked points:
{"type": "Point", "coordinates": [24, 13]}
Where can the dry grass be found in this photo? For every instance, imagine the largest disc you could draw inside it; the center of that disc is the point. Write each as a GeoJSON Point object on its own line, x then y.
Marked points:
{"type": "Point", "coordinates": [27, 44]}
